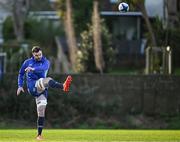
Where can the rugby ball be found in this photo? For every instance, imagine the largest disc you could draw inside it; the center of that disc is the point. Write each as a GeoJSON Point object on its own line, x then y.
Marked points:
{"type": "Point", "coordinates": [123, 7]}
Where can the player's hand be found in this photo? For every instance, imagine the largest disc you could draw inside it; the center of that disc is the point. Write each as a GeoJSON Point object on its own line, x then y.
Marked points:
{"type": "Point", "coordinates": [19, 90]}
{"type": "Point", "coordinates": [29, 69]}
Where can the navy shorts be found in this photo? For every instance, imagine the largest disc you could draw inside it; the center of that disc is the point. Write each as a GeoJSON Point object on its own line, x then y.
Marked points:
{"type": "Point", "coordinates": [32, 89]}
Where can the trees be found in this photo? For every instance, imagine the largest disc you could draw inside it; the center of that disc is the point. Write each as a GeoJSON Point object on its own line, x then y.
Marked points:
{"type": "Point", "coordinates": [154, 65]}
{"type": "Point", "coordinates": [86, 58]}
{"type": "Point", "coordinates": [19, 10]}
{"type": "Point", "coordinates": [66, 13]}
{"type": "Point", "coordinates": [65, 10]}
{"type": "Point", "coordinates": [98, 53]}
{"type": "Point", "coordinates": [139, 4]}
{"type": "Point", "coordinates": [70, 33]}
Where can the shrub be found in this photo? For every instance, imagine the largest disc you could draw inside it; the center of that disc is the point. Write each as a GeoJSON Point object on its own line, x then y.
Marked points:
{"type": "Point", "coordinates": [86, 53]}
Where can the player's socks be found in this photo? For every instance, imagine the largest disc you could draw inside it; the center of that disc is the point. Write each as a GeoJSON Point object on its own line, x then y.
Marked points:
{"type": "Point", "coordinates": [40, 124]}
{"type": "Point", "coordinates": [54, 84]}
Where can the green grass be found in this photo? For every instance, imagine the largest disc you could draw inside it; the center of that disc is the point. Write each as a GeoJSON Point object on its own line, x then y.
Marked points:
{"type": "Point", "coordinates": [28, 135]}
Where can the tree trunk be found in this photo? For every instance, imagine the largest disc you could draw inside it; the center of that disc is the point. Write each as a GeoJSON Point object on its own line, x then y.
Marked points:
{"type": "Point", "coordinates": [154, 56]}
{"type": "Point", "coordinates": [70, 33]}
{"type": "Point", "coordinates": [150, 29]}
{"type": "Point", "coordinates": [61, 64]}
{"type": "Point", "coordinates": [19, 12]}
{"type": "Point", "coordinates": [98, 53]}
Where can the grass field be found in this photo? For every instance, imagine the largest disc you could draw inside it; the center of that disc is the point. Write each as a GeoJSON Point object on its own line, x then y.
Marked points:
{"type": "Point", "coordinates": [91, 135]}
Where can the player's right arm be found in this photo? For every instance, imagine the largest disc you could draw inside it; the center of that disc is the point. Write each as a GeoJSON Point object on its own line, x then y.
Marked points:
{"type": "Point", "coordinates": [21, 78]}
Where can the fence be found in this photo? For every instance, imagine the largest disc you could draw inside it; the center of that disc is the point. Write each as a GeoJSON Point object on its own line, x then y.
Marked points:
{"type": "Point", "coordinates": [96, 100]}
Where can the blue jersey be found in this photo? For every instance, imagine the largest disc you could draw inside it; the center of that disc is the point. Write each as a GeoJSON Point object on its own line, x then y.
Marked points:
{"type": "Point", "coordinates": [40, 71]}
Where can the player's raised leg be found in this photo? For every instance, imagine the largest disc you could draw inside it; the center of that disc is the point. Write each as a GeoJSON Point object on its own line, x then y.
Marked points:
{"type": "Point", "coordinates": [43, 83]}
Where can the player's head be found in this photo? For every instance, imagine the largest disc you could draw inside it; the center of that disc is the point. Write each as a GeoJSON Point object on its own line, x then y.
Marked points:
{"type": "Point", "coordinates": [37, 53]}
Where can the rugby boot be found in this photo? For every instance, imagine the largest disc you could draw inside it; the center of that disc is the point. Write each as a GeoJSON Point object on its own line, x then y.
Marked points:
{"type": "Point", "coordinates": [67, 83]}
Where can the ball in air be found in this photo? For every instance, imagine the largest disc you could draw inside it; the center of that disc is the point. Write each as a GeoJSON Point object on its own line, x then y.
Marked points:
{"type": "Point", "coordinates": [123, 7]}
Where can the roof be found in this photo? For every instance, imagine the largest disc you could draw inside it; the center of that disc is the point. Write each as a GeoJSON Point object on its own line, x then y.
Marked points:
{"type": "Point", "coordinates": [116, 13]}
{"type": "Point", "coordinates": [45, 14]}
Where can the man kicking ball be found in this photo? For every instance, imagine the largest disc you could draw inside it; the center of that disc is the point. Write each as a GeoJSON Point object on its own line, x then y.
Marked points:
{"type": "Point", "coordinates": [36, 69]}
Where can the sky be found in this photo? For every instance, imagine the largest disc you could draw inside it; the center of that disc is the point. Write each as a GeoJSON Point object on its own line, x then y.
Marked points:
{"type": "Point", "coordinates": [154, 7]}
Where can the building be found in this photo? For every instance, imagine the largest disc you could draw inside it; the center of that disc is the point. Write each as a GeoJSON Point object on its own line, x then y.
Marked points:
{"type": "Point", "coordinates": [126, 36]}
{"type": "Point", "coordinates": [126, 30]}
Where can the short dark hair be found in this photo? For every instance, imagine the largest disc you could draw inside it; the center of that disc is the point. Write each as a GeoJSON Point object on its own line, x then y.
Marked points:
{"type": "Point", "coordinates": [36, 49]}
